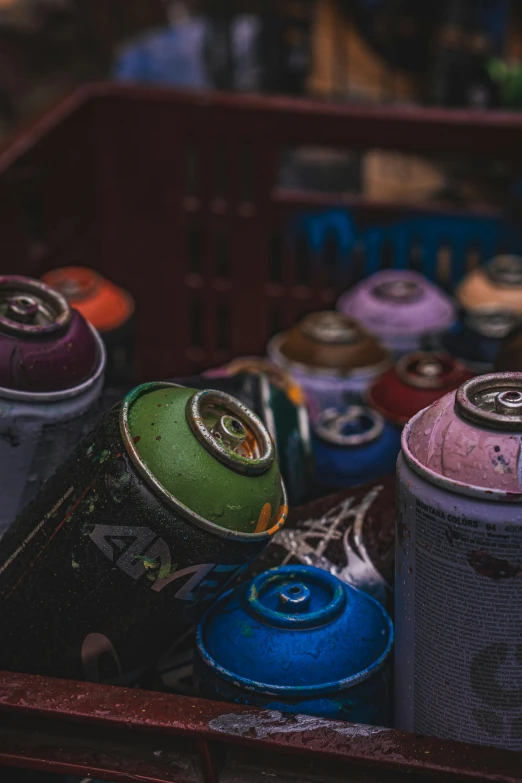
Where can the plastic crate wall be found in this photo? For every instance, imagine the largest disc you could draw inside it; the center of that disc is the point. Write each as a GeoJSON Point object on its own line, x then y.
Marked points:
{"type": "Point", "coordinates": [174, 196]}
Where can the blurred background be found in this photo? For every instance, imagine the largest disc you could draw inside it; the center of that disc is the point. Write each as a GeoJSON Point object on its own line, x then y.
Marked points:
{"type": "Point", "coordinates": [456, 53]}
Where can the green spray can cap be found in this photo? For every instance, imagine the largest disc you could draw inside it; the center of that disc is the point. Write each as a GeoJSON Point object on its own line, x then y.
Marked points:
{"type": "Point", "coordinates": [207, 455]}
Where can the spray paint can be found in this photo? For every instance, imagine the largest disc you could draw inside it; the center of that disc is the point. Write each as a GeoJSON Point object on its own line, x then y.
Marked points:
{"type": "Point", "coordinates": [416, 381]}
{"type": "Point", "coordinates": [51, 377]}
{"type": "Point", "coordinates": [400, 307]}
{"type": "Point", "coordinates": [280, 403]}
{"type": "Point", "coordinates": [110, 309]}
{"type": "Point", "coordinates": [476, 338]}
{"type": "Point", "coordinates": [171, 495]}
{"type": "Point", "coordinates": [497, 285]}
{"type": "Point", "coordinates": [352, 445]}
{"type": "Point", "coordinates": [297, 639]}
{"type": "Point", "coordinates": [458, 589]}
{"type": "Point", "coordinates": [332, 358]}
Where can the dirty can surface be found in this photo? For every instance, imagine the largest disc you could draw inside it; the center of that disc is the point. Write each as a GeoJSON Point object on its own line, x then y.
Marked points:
{"type": "Point", "coordinates": [331, 356]}
{"type": "Point", "coordinates": [416, 380]}
{"type": "Point", "coordinates": [303, 642]}
{"type": "Point", "coordinates": [171, 495]}
{"type": "Point", "coordinates": [475, 340]}
{"type": "Point", "coordinates": [458, 588]}
{"type": "Point", "coordinates": [109, 308]}
{"type": "Point", "coordinates": [497, 285]}
{"type": "Point", "coordinates": [400, 307]}
{"type": "Point", "coordinates": [352, 445]}
{"type": "Point", "coordinates": [51, 376]}
{"type": "Point", "coordinates": [279, 401]}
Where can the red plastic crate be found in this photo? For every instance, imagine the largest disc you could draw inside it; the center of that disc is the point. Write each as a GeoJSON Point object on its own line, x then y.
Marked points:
{"type": "Point", "coordinates": [174, 196]}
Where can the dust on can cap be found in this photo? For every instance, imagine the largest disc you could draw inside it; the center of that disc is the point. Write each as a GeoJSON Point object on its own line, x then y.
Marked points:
{"type": "Point", "coordinates": [469, 440]}
{"type": "Point", "coordinates": [398, 304]}
{"type": "Point", "coordinates": [328, 343]}
{"type": "Point", "coordinates": [299, 635]}
{"type": "Point", "coordinates": [497, 285]}
{"type": "Point", "coordinates": [105, 305]}
{"type": "Point", "coordinates": [45, 345]}
{"type": "Point", "coordinates": [417, 380]}
{"type": "Point", "coordinates": [233, 481]}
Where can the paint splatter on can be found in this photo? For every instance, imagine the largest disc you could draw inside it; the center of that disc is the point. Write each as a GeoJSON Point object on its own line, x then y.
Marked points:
{"type": "Point", "coordinates": [496, 285]}
{"type": "Point", "coordinates": [458, 588]}
{"type": "Point", "coordinates": [416, 381]}
{"type": "Point", "coordinates": [352, 445]}
{"type": "Point", "coordinates": [400, 307]}
{"type": "Point", "coordinates": [332, 358]}
{"type": "Point", "coordinates": [476, 339]}
{"type": "Point", "coordinates": [51, 376]}
{"type": "Point", "coordinates": [297, 639]}
{"type": "Point", "coordinates": [156, 510]}
{"type": "Point", "coordinates": [280, 403]}
{"type": "Point", "coordinates": [110, 309]}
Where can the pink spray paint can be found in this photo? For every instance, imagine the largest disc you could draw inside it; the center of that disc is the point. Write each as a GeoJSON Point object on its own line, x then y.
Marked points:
{"type": "Point", "coordinates": [400, 307]}
{"type": "Point", "coordinates": [458, 586]}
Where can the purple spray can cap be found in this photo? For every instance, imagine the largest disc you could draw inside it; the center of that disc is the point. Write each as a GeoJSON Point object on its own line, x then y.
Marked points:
{"type": "Point", "coordinates": [469, 440]}
{"type": "Point", "coordinates": [399, 306]}
{"type": "Point", "coordinates": [45, 345]}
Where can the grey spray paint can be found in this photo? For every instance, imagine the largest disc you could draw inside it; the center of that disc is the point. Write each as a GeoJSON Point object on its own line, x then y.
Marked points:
{"type": "Point", "coordinates": [51, 376]}
{"type": "Point", "coordinates": [458, 596]}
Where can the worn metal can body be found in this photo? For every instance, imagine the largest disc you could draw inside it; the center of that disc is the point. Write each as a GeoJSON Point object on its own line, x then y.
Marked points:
{"type": "Point", "coordinates": [352, 445]}
{"type": "Point", "coordinates": [475, 340]}
{"type": "Point", "coordinates": [497, 285]}
{"type": "Point", "coordinates": [51, 376]}
{"type": "Point", "coordinates": [400, 307]}
{"type": "Point", "coordinates": [331, 357]}
{"type": "Point", "coordinates": [110, 309]}
{"type": "Point", "coordinates": [416, 381]}
{"type": "Point", "coordinates": [297, 639]}
{"type": "Point", "coordinates": [458, 592]}
{"type": "Point", "coordinates": [171, 495]}
{"type": "Point", "coordinates": [280, 403]}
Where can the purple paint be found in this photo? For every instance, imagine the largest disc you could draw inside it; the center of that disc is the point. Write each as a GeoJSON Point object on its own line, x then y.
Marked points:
{"type": "Point", "coordinates": [45, 346]}
{"type": "Point", "coordinates": [458, 588]}
{"type": "Point", "coordinates": [399, 307]}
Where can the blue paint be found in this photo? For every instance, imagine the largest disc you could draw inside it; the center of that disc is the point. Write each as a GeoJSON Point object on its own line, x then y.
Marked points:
{"type": "Point", "coordinates": [298, 640]}
{"type": "Point", "coordinates": [430, 232]}
{"type": "Point", "coordinates": [348, 463]}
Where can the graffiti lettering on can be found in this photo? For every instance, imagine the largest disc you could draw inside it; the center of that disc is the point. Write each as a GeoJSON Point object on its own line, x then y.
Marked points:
{"type": "Point", "coordinates": [150, 555]}
{"type": "Point", "coordinates": [308, 545]}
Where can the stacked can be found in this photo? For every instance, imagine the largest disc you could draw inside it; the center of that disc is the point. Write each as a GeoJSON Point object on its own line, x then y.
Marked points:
{"type": "Point", "coordinates": [332, 358]}
{"type": "Point", "coordinates": [352, 445]}
{"type": "Point", "coordinates": [416, 381]}
{"type": "Point", "coordinates": [400, 308]}
{"type": "Point", "coordinates": [296, 639]}
{"type": "Point", "coordinates": [156, 510]}
{"type": "Point", "coordinates": [279, 401]}
{"type": "Point", "coordinates": [51, 377]}
{"type": "Point", "coordinates": [497, 285]}
{"type": "Point", "coordinates": [475, 340]}
{"type": "Point", "coordinates": [109, 309]}
{"type": "Point", "coordinates": [458, 608]}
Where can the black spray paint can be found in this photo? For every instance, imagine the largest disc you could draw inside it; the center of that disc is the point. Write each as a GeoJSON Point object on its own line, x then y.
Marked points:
{"type": "Point", "coordinates": [140, 530]}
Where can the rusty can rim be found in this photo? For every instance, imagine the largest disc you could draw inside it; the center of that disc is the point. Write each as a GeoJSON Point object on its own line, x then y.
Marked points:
{"type": "Point", "coordinates": [458, 487]}
{"type": "Point", "coordinates": [466, 407]}
{"type": "Point", "coordinates": [64, 394]}
{"type": "Point", "coordinates": [165, 495]}
{"type": "Point", "coordinates": [43, 292]}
